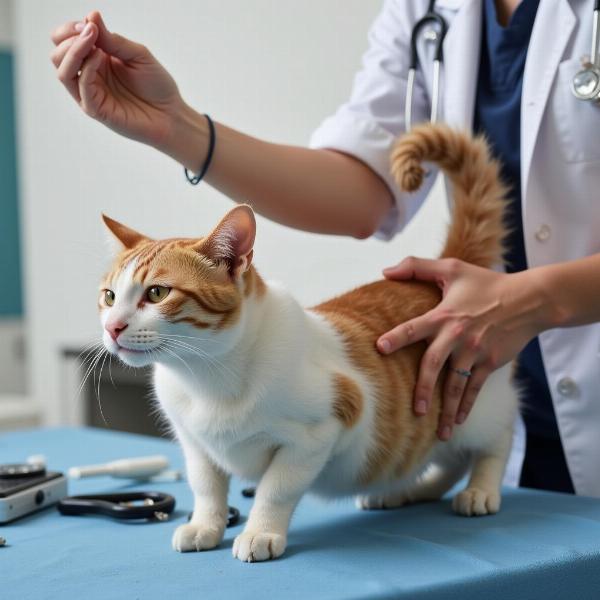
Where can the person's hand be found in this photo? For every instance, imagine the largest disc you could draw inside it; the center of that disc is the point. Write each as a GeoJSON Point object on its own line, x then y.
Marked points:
{"type": "Point", "coordinates": [483, 321]}
{"type": "Point", "coordinates": [116, 81]}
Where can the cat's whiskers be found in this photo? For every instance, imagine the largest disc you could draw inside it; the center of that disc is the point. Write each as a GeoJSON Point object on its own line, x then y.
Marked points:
{"type": "Point", "coordinates": [110, 369]}
{"type": "Point", "coordinates": [88, 347]}
{"type": "Point", "coordinates": [171, 352]}
{"type": "Point", "coordinates": [191, 337]}
{"type": "Point", "coordinates": [98, 389]}
{"type": "Point", "coordinates": [92, 361]}
{"type": "Point", "coordinates": [89, 350]}
{"type": "Point", "coordinates": [91, 368]}
{"type": "Point", "coordinates": [171, 347]}
{"type": "Point", "coordinates": [202, 354]}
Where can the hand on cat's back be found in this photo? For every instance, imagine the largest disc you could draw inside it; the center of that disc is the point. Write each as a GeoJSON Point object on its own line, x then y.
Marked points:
{"type": "Point", "coordinates": [115, 81]}
{"type": "Point", "coordinates": [484, 320]}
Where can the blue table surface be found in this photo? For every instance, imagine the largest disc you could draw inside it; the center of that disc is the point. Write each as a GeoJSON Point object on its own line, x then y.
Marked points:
{"type": "Point", "coordinates": [540, 545]}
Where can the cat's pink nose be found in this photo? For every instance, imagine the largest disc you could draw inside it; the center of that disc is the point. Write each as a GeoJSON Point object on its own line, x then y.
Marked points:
{"type": "Point", "coordinates": [114, 328]}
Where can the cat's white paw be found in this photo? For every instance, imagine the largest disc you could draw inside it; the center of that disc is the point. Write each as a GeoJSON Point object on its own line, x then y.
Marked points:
{"type": "Point", "coordinates": [380, 502]}
{"type": "Point", "coordinates": [193, 538]}
{"type": "Point", "coordinates": [252, 546]}
{"type": "Point", "coordinates": [476, 502]}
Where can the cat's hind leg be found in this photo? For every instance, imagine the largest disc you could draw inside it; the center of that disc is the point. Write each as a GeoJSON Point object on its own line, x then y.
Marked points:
{"type": "Point", "coordinates": [430, 485]}
{"type": "Point", "coordinates": [482, 494]}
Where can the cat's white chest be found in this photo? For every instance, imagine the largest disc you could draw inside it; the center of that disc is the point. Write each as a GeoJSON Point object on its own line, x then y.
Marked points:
{"type": "Point", "coordinates": [232, 434]}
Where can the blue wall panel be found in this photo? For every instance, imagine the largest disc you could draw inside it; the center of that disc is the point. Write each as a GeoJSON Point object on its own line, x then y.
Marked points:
{"type": "Point", "coordinates": [10, 259]}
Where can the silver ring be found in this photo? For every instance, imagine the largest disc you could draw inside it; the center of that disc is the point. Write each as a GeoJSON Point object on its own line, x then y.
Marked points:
{"type": "Point", "coordinates": [463, 372]}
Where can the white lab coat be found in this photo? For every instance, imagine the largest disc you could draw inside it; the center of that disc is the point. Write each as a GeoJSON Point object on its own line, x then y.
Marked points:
{"type": "Point", "coordinates": [560, 167]}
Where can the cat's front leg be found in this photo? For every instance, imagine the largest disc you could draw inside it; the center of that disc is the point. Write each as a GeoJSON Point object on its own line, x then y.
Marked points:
{"type": "Point", "coordinates": [210, 486]}
{"type": "Point", "coordinates": [287, 478]}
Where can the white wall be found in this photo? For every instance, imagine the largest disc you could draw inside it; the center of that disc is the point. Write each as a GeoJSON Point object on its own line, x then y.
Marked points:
{"type": "Point", "coordinates": [6, 24]}
{"type": "Point", "coordinates": [271, 68]}
{"type": "Point", "coordinates": [12, 358]}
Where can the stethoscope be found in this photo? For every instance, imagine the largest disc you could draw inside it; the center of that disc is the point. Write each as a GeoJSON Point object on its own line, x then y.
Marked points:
{"type": "Point", "coordinates": [585, 86]}
{"type": "Point", "coordinates": [586, 83]}
{"type": "Point", "coordinates": [432, 35]}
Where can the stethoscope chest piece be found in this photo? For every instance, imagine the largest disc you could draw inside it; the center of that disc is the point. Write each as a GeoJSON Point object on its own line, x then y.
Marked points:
{"type": "Point", "coordinates": [586, 83]}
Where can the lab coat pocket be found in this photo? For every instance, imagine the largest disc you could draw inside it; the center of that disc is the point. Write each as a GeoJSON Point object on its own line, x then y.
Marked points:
{"type": "Point", "coordinates": [577, 121]}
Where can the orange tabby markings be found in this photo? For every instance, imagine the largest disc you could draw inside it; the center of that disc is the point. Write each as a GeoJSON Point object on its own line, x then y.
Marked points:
{"type": "Point", "coordinates": [477, 233]}
{"type": "Point", "coordinates": [192, 321]}
{"type": "Point", "coordinates": [401, 437]}
{"type": "Point", "coordinates": [205, 305]}
{"type": "Point", "coordinates": [347, 403]}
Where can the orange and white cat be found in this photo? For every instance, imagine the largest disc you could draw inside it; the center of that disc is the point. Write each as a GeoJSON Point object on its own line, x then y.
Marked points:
{"type": "Point", "coordinates": [296, 399]}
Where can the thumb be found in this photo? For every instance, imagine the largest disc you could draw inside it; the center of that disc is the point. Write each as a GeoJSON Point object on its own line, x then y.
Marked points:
{"type": "Point", "coordinates": [423, 269]}
{"type": "Point", "coordinates": [115, 44]}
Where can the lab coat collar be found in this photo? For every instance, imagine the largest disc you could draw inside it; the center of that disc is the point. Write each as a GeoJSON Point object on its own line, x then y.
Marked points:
{"type": "Point", "coordinates": [449, 4]}
{"type": "Point", "coordinates": [553, 27]}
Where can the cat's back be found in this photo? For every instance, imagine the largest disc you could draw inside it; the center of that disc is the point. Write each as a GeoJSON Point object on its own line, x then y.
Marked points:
{"type": "Point", "coordinates": [376, 307]}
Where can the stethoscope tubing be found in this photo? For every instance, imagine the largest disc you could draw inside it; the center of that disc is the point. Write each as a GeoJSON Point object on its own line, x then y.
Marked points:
{"type": "Point", "coordinates": [430, 18]}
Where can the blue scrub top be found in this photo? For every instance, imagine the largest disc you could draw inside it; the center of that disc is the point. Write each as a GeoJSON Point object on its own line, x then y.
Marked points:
{"type": "Point", "coordinates": [498, 116]}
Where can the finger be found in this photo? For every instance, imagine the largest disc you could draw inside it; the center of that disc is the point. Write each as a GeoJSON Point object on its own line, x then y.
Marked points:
{"type": "Point", "coordinates": [58, 54]}
{"type": "Point", "coordinates": [407, 333]}
{"type": "Point", "coordinates": [454, 388]}
{"type": "Point", "coordinates": [66, 30]}
{"type": "Point", "coordinates": [74, 57]}
{"type": "Point", "coordinates": [115, 44]}
{"type": "Point", "coordinates": [429, 370]}
{"type": "Point", "coordinates": [88, 84]}
{"type": "Point", "coordinates": [423, 269]}
{"type": "Point", "coordinates": [474, 385]}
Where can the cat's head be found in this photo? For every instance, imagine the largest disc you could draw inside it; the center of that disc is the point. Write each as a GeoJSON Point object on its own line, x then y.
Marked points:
{"type": "Point", "coordinates": [164, 298]}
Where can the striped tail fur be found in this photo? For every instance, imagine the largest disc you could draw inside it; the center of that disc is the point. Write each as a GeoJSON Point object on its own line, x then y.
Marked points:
{"type": "Point", "coordinates": [477, 231]}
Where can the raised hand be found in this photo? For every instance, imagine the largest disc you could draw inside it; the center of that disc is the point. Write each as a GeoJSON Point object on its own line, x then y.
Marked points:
{"type": "Point", "coordinates": [116, 81]}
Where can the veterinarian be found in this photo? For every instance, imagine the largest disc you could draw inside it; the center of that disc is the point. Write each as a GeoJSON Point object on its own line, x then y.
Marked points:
{"type": "Point", "coordinates": [508, 71]}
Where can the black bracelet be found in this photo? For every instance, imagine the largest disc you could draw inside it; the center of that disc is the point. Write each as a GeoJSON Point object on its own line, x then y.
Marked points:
{"type": "Point", "coordinates": [196, 179]}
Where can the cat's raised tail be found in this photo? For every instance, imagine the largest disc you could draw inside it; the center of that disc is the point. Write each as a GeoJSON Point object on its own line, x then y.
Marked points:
{"type": "Point", "coordinates": [477, 231]}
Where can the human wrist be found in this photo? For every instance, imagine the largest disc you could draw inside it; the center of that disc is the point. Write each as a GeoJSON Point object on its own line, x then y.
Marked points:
{"type": "Point", "coordinates": [188, 138]}
{"type": "Point", "coordinates": [539, 286]}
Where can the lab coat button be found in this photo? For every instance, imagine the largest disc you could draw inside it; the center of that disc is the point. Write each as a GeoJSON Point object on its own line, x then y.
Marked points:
{"type": "Point", "coordinates": [543, 233]}
{"type": "Point", "coordinates": [567, 387]}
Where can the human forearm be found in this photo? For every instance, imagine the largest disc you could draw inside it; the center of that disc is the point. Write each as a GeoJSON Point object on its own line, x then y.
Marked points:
{"type": "Point", "coordinates": [570, 292]}
{"type": "Point", "coordinates": [316, 190]}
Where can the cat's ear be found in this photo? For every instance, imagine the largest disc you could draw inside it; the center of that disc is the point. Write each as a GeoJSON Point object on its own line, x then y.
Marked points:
{"type": "Point", "coordinates": [232, 240]}
{"type": "Point", "coordinates": [128, 238]}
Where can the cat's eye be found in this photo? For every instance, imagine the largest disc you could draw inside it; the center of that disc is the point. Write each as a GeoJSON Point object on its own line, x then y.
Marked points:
{"type": "Point", "coordinates": [109, 297]}
{"type": "Point", "coordinates": [157, 293]}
